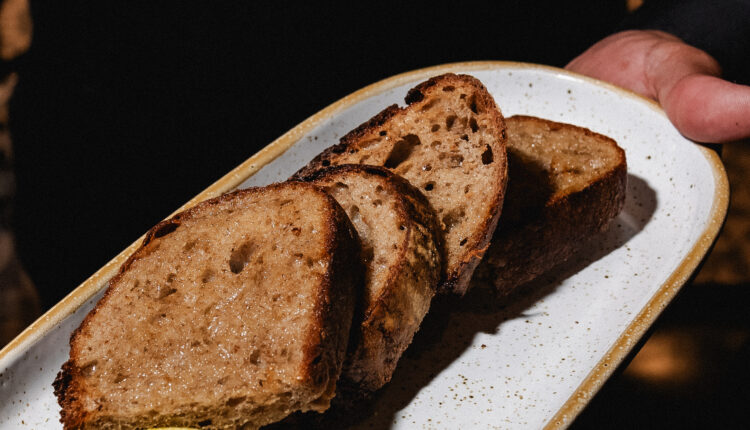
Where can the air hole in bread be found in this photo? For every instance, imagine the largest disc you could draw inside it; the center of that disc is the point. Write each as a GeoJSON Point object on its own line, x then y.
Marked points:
{"type": "Point", "coordinates": [254, 357]}
{"type": "Point", "coordinates": [463, 242]}
{"type": "Point", "coordinates": [89, 368]}
{"type": "Point", "coordinates": [368, 253]}
{"type": "Point", "coordinates": [119, 378]}
{"type": "Point", "coordinates": [285, 202]}
{"type": "Point", "coordinates": [204, 423]}
{"type": "Point", "coordinates": [240, 256]}
{"type": "Point", "coordinates": [383, 132]}
{"type": "Point", "coordinates": [402, 227]}
{"type": "Point", "coordinates": [207, 276]}
{"type": "Point", "coordinates": [449, 88]}
{"type": "Point", "coordinates": [473, 103]}
{"type": "Point", "coordinates": [379, 189]}
{"type": "Point", "coordinates": [435, 144]}
{"type": "Point", "coordinates": [363, 159]}
{"type": "Point", "coordinates": [189, 245]}
{"type": "Point", "coordinates": [234, 401]}
{"type": "Point", "coordinates": [164, 291]}
{"type": "Point", "coordinates": [326, 163]}
{"type": "Point", "coordinates": [171, 277]}
{"type": "Point", "coordinates": [354, 213]}
{"type": "Point", "coordinates": [463, 96]}
{"type": "Point", "coordinates": [165, 229]}
{"type": "Point", "coordinates": [467, 188]}
{"type": "Point", "coordinates": [487, 157]}
{"type": "Point", "coordinates": [473, 124]}
{"type": "Point", "coordinates": [453, 218]}
{"type": "Point", "coordinates": [316, 360]}
{"type": "Point", "coordinates": [449, 120]}
{"type": "Point", "coordinates": [427, 167]}
{"type": "Point", "coordinates": [377, 202]}
{"type": "Point", "coordinates": [429, 186]}
{"type": "Point", "coordinates": [465, 137]}
{"type": "Point", "coordinates": [455, 160]}
{"type": "Point", "coordinates": [402, 150]}
{"type": "Point", "coordinates": [435, 127]}
{"type": "Point", "coordinates": [429, 104]}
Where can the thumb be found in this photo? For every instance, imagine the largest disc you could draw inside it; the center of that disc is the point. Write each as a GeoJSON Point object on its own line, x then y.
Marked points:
{"type": "Point", "coordinates": [682, 78]}
{"type": "Point", "coordinates": [708, 109]}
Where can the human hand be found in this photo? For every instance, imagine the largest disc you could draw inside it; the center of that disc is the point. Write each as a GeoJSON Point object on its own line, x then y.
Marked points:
{"type": "Point", "coordinates": [683, 79]}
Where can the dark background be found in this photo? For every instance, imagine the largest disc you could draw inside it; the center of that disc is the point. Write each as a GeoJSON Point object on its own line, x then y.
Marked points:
{"type": "Point", "coordinates": [124, 111]}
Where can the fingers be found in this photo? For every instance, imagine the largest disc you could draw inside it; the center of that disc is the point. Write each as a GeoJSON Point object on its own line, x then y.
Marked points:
{"type": "Point", "coordinates": [682, 78]}
{"type": "Point", "coordinates": [708, 109]}
{"type": "Point", "coordinates": [621, 59]}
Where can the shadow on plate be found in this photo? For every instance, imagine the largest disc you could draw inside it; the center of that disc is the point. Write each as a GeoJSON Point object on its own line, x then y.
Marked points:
{"type": "Point", "coordinates": [451, 325]}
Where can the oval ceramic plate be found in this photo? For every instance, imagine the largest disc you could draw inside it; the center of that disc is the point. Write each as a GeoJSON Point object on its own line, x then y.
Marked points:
{"type": "Point", "coordinates": [531, 364]}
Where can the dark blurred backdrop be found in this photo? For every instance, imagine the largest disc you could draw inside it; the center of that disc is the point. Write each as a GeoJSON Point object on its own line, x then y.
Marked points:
{"type": "Point", "coordinates": [123, 111]}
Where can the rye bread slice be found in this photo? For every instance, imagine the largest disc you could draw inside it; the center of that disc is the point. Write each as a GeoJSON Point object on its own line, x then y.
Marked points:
{"type": "Point", "coordinates": [449, 141]}
{"type": "Point", "coordinates": [565, 184]}
{"type": "Point", "coordinates": [234, 313]}
{"type": "Point", "coordinates": [401, 246]}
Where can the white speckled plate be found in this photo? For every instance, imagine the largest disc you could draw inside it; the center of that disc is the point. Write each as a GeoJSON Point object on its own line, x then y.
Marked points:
{"type": "Point", "coordinates": [533, 364]}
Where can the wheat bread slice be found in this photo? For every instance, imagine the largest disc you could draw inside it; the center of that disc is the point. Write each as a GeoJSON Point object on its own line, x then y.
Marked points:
{"type": "Point", "coordinates": [234, 313]}
{"type": "Point", "coordinates": [565, 184]}
{"type": "Point", "coordinates": [401, 245]}
{"type": "Point", "coordinates": [448, 141]}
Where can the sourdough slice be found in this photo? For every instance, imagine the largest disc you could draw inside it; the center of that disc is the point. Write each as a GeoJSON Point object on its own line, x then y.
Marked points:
{"type": "Point", "coordinates": [449, 141]}
{"type": "Point", "coordinates": [234, 313]}
{"type": "Point", "coordinates": [402, 251]}
{"type": "Point", "coordinates": [565, 184]}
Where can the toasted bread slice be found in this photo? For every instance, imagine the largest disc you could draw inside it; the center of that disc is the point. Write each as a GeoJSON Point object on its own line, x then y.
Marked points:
{"type": "Point", "coordinates": [449, 141]}
{"type": "Point", "coordinates": [402, 251]}
{"type": "Point", "coordinates": [234, 313]}
{"type": "Point", "coordinates": [565, 184]}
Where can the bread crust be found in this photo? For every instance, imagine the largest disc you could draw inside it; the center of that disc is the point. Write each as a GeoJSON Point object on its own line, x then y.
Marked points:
{"type": "Point", "coordinates": [521, 252]}
{"type": "Point", "coordinates": [460, 271]}
{"type": "Point", "coordinates": [388, 322]}
{"type": "Point", "coordinates": [324, 349]}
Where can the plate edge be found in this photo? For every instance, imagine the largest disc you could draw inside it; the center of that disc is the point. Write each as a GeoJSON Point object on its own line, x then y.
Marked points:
{"type": "Point", "coordinates": [655, 306]}
{"type": "Point", "coordinates": [98, 281]}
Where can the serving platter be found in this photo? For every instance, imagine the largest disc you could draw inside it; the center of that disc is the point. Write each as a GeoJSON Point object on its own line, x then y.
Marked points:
{"type": "Point", "coordinates": [478, 362]}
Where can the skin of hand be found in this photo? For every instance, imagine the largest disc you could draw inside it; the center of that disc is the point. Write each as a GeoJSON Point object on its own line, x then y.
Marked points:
{"type": "Point", "coordinates": [683, 79]}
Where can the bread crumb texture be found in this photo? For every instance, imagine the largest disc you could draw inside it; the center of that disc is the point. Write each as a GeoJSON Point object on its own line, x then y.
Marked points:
{"type": "Point", "coordinates": [214, 317]}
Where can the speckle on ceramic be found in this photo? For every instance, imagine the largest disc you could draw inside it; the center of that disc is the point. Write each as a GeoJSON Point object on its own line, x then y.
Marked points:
{"type": "Point", "coordinates": [478, 364]}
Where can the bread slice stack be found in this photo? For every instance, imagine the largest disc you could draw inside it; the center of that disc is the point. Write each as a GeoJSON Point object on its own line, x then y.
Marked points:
{"type": "Point", "coordinates": [269, 301]}
{"type": "Point", "coordinates": [449, 141]}
{"type": "Point", "coordinates": [234, 313]}
{"type": "Point", "coordinates": [566, 183]}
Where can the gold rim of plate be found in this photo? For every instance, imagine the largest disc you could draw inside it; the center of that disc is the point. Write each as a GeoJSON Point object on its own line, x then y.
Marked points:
{"type": "Point", "coordinates": [593, 381]}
